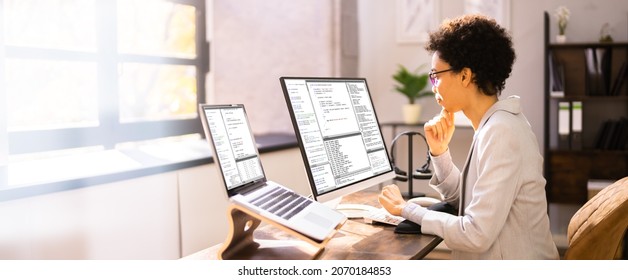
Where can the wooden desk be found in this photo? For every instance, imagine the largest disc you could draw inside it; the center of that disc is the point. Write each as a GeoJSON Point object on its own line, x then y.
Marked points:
{"type": "Point", "coordinates": [356, 240]}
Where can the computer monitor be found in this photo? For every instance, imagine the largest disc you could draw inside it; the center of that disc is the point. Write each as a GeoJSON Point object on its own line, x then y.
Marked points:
{"type": "Point", "coordinates": [338, 134]}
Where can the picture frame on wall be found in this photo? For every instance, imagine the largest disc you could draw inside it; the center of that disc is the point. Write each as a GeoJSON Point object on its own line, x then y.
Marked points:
{"type": "Point", "coordinates": [497, 9]}
{"type": "Point", "coordinates": [415, 19]}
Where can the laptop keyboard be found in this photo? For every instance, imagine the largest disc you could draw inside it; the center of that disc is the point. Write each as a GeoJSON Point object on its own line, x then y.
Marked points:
{"type": "Point", "coordinates": [281, 202]}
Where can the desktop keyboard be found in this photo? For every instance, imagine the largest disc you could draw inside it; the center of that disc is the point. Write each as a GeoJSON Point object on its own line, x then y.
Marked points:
{"type": "Point", "coordinates": [380, 215]}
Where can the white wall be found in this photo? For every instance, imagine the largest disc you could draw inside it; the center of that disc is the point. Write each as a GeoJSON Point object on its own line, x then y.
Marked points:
{"type": "Point", "coordinates": [256, 42]}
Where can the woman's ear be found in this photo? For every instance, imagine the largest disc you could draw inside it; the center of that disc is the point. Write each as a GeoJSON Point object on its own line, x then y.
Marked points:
{"type": "Point", "coordinates": [466, 74]}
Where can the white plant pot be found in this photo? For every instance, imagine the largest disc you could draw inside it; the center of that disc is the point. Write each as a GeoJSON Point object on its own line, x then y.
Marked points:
{"type": "Point", "coordinates": [411, 113]}
{"type": "Point", "coordinates": [561, 39]}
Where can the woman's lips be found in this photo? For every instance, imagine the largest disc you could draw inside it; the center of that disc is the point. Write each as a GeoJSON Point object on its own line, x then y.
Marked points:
{"type": "Point", "coordinates": [439, 99]}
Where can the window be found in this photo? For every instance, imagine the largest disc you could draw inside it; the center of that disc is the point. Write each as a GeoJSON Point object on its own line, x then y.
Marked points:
{"type": "Point", "coordinates": [95, 73]}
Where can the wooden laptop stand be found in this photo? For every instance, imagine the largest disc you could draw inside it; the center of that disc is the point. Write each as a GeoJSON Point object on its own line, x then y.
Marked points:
{"type": "Point", "coordinates": [241, 244]}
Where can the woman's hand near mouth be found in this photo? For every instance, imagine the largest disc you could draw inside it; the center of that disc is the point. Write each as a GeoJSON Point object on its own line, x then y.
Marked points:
{"type": "Point", "coordinates": [439, 130]}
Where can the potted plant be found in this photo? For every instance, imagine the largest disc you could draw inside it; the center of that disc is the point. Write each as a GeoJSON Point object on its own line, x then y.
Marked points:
{"type": "Point", "coordinates": [562, 16]}
{"type": "Point", "coordinates": [413, 86]}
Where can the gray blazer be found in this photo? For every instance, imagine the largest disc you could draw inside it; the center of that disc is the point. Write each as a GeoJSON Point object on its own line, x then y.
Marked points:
{"type": "Point", "coordinates": [505, 209]}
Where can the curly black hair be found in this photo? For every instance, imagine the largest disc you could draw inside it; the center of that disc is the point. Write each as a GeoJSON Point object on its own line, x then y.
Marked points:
{"type": "Point", "coordinates": [479, 43]}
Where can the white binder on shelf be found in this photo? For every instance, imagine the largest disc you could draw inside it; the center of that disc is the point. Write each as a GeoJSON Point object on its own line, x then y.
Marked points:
{"type": "Point", "coordinates": [576, 125]}
{"type": "Point", "coordinates": [564, 112]}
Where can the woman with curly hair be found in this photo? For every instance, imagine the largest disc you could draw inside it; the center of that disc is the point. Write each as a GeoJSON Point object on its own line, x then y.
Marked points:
{"type": "Point", "coordinates": [500, 192]}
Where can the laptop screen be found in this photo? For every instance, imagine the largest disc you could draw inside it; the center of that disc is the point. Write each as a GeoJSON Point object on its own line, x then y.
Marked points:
{"type": "Point", "coordinates": [234, 146]}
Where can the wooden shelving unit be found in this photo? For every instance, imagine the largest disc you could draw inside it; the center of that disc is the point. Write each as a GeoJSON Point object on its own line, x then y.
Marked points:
{"type": "Point", "coordinates": [567, 170]}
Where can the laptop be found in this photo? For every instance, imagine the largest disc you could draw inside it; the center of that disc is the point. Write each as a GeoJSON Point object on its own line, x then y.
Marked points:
{"type": "Point", "coordinates": [228, 132]}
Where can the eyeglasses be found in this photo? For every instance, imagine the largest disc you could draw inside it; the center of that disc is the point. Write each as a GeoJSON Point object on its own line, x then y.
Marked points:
{"type": "Point", "coordinates": [433, 73]}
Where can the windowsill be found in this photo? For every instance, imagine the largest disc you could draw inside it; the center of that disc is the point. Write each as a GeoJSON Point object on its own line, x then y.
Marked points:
{"type": "Point", "coordinates": [95, 168]}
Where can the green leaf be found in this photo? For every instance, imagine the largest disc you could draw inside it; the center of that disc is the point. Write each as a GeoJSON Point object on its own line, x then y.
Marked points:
{"type": "Point", "coordinates": [412, 84]}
